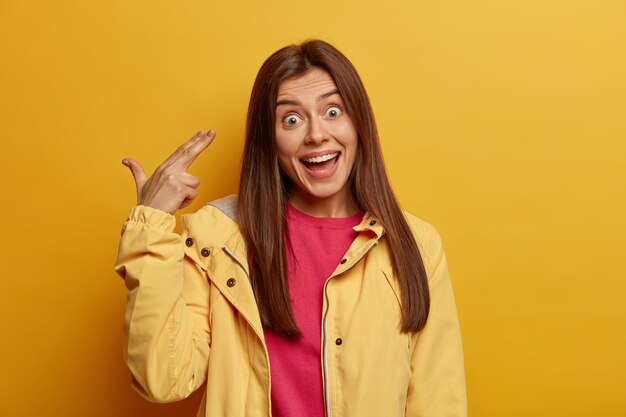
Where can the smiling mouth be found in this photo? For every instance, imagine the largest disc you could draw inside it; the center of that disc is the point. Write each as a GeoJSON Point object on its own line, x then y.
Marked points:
{"type": "Point", "coordinates": [321, 163]}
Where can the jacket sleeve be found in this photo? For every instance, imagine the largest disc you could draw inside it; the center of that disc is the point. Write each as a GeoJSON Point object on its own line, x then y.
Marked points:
{"type": "Point", "coordinates": [437, 387]}
{"type": "Point", "coordinates": [166, 321]}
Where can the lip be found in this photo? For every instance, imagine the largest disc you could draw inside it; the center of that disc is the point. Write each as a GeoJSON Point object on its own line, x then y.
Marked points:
{"type": "Point", "coordinates": [319, 153]}
{"type": "Point", "coordinates": [321, 175]}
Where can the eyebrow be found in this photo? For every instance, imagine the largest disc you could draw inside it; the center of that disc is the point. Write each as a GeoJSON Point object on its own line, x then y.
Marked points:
{"type": "Point", "coordinates": [297, 103]}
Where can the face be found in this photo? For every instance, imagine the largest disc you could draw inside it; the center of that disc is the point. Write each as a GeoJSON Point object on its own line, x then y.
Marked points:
{"type": "Point", "coordinates": [316, 143]}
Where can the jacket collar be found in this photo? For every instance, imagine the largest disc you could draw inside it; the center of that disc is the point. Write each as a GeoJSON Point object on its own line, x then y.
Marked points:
{"type": "Point", "coordinates": [370, 225]}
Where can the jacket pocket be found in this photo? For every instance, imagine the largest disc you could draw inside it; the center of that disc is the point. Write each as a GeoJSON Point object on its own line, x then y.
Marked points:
{"type": "Point", "coordinates": [395, 287]}
{"type": "Point", "coordinates": [393, 283]}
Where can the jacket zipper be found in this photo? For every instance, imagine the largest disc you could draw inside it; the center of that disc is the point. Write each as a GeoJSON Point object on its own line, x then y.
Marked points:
{"type": "Point", "coordinates": [325, 353]}
{"type": "Point", "coordinates": [325, 330]}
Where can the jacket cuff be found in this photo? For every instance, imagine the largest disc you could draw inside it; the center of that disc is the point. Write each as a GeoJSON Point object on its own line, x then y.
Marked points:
{"type": "Point", "coordinates": [152, 218]}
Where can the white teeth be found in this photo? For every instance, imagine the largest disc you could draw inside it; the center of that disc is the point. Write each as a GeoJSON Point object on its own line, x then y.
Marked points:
{"type": "Point", "coordinates": [323, 158]}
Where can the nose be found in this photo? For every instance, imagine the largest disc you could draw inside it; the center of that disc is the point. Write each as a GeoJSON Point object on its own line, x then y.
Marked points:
{"type": "Point", "coordinates": [317, 132]}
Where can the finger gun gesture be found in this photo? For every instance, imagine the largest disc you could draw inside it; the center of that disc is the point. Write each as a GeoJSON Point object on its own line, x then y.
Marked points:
{"type": "Point", "coordinates": [171, 188]}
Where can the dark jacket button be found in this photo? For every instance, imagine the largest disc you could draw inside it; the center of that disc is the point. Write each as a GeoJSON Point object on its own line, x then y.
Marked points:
{"type": "Point", "coordinates": [231, 282]}
{"type": "Point", "coordinates": [205, 252]}
{"type": "Point", "coordinates": [189, 241]}
{"type": "Point", "coordinates": [343, 261]}
{"type": "Point", "coordinates": [373, 222]}
{"type": "Point", "coordinates": [338, 342]}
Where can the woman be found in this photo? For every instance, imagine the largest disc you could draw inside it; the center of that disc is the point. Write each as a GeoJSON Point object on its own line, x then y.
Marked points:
{"type": "Point", "coordinates": [309, 294]}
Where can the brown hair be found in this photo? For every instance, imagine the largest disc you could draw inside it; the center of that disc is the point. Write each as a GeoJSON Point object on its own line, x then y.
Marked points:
{"type": "Point", "coordinates": [264, 189]}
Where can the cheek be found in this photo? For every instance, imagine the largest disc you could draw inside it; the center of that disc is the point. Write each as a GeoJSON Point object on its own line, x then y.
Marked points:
{"type": "Point", "coordinates": [350, 139]}
{"type": "Point", "coordinates": [347, 131]}
{"type": "Point", "coordinates": [352, 149]}
{"type": "Point", "coordinates": [286, 150]}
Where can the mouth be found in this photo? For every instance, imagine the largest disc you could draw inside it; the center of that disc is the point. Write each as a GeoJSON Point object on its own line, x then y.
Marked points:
{"type": "Point", "coordinates": [321, 163]}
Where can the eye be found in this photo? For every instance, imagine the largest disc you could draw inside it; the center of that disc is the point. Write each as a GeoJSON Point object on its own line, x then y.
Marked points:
{"type": "Point", "coordinates": [291, 120]}
{"type": "Point", "coordinates": [333, 112]}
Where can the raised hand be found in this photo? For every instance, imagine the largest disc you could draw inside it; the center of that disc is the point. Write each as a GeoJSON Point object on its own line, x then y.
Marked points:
{"type": "Point", "coordinates": [170, 188]}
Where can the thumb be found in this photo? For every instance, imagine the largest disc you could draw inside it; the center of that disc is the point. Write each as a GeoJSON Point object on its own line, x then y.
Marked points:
{"type": "Point", "coordinates": [138, 173]}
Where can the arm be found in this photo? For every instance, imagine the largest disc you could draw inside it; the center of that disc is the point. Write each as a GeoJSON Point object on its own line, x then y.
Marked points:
{"type": "Point", "coordinates": [437, 387]}
{"type": "Point", "coordinates": [166, 322]}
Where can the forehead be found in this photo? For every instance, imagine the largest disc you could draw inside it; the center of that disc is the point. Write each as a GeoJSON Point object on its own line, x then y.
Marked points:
{"type": "Point", "coordinates": [314, 82]}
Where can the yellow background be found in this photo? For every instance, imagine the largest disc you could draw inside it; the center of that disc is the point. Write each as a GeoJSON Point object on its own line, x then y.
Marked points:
{"type": "Point", "coordinates": [503, 123]}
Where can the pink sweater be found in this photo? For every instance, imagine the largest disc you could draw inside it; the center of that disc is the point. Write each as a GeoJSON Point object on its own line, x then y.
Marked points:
{"type": "Point", "coordinates": [317, 246]}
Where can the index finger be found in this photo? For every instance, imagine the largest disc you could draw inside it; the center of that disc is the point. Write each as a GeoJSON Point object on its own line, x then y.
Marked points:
{"type": "Point", "coordinates": [185, 155]}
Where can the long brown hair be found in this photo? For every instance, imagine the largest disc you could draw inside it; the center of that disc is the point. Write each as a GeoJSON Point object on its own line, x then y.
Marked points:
{"type": "Point", "coordinates": [264, 189]}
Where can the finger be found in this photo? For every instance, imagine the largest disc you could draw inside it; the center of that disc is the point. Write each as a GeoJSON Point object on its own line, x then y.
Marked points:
{"type": "Point", "coordinates": [189, 180]}
{"type": "Point", "coordinates": [192, 194]}
{"type": "Point", "coordinates": [181, 149]}
{"type": "Point", "coordinates": [138, 173]}
{"type": "Point", "coordinates": [190, 152]}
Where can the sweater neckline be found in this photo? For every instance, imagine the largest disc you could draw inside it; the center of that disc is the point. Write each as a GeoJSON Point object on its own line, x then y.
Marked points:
{"type": "Point", "coordinates": [293, 214]}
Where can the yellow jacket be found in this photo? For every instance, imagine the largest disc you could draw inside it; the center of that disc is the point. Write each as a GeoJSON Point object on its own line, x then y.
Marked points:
{"type": "Point", "coordinates": [191, 318]}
